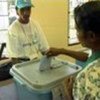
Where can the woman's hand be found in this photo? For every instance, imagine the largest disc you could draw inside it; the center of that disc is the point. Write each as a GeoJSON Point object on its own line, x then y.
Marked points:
{"type": "Point", "coordinates": [69, 86]}
{"type": "Point", "coordinates": [53, 52]}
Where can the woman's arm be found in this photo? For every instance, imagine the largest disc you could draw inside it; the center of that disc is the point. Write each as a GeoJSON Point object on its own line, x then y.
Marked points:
{"type": "Point", "coordinates": [82, 56]}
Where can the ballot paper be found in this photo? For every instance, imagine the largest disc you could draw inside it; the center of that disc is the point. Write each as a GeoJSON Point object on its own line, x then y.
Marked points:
{"type": "Point", "coordinates": [45, 63]}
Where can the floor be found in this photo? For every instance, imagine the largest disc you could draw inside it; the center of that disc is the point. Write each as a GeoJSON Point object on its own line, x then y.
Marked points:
{"type": "Point", "coordinates": [8, 90]}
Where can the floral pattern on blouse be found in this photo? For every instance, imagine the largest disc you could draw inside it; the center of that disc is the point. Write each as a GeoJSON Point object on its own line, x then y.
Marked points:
{"type": "Point", "coordinates": [87, 83]}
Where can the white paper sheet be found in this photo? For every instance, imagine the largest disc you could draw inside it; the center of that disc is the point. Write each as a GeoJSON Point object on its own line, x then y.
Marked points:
{"type": "Point", "coordinates": [45, 63]}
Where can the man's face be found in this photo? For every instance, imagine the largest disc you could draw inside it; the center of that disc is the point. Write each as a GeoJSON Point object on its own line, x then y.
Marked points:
{"type": "Point", "coordinates": [24, 14]}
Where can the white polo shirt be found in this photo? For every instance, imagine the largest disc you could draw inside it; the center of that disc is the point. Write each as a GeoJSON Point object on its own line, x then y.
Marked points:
{"type": "Point", "coordinates": [25, 40]}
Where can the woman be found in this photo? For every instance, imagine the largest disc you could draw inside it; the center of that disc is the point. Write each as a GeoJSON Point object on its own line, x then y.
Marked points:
{"type": "Point", "coordinates": [87, 82]}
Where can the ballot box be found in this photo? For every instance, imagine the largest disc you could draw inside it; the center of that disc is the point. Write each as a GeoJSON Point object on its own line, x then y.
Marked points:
{"type": "Point", "coordinates": [34, 84]}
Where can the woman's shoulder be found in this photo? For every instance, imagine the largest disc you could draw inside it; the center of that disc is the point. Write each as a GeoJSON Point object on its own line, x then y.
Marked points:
{"type": "Point", "coordinates": [92, 67]}
{"type": "Point", "coordinates": [94, 64]}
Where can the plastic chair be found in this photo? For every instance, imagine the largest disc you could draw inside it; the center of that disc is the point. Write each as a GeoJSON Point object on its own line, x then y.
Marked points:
{"type": "Point", "coordinates": [3, 45]}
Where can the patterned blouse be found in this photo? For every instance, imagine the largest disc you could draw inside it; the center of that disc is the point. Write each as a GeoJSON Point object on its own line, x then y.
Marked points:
{"type": "Point", "coordinates": [87, 83]}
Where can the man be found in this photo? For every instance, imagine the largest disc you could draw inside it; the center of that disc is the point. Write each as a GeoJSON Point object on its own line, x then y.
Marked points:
{"type": "Point", "coordinates": [25, 37]}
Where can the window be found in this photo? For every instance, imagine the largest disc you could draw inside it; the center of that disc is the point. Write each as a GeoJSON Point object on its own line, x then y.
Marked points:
{"type": "Point", "coordinates": [7, 15]}
{"type": "Point", "coordinates": [72, 38]}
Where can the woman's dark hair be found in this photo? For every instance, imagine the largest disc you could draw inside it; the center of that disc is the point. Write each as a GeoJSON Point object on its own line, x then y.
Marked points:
{"type": "Point", "coordinates": [87, 17]}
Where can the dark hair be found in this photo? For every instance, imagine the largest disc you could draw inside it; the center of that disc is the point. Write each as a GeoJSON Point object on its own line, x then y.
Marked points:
{"type": "Point", "coordinates": [87, 17]}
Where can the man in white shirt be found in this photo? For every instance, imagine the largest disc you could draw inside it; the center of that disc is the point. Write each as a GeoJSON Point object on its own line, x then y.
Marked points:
{"type": "Point", "coordinates": [25, 37]}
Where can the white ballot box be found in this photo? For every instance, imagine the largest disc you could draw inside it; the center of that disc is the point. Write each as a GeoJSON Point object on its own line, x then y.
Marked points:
{"type": "Point", "coordinates": [34, 84]}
